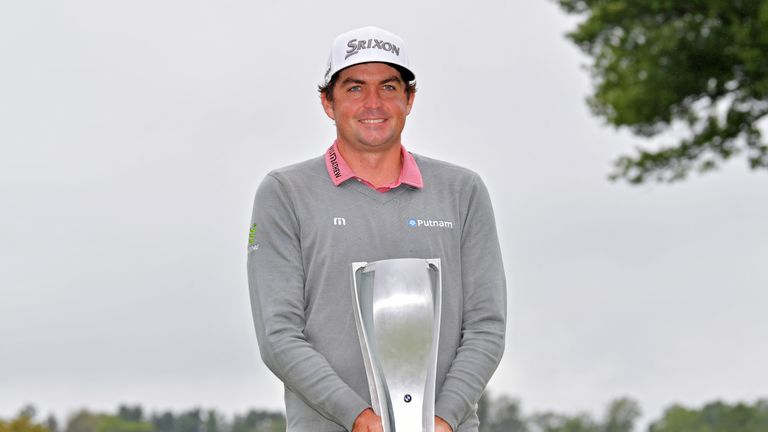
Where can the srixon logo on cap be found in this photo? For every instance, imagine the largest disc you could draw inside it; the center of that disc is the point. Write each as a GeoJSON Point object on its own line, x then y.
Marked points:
{"type": "Point", "coordinates": [355, 46]}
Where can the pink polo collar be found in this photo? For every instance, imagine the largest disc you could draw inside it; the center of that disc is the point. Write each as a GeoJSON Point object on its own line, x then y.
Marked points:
{"type": "Point", "coordinates": [341, 172]}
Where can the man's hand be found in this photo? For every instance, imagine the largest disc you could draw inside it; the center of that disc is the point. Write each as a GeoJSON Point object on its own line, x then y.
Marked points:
{"type": "Point", "coordinates": [368, 421]}
{"type": "Point", "coordinates": [442, 425]}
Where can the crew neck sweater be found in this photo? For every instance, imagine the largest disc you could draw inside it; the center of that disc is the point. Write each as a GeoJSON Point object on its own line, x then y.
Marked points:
{"type": "Point", "coordinates": [306, 232]}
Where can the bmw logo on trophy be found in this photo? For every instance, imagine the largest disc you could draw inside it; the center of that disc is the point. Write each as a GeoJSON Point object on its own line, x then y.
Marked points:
{"type": "Point", "coordinates": [397, 311]}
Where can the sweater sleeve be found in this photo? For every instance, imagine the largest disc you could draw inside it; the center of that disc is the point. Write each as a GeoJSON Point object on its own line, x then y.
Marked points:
{"type": "Point", "coordinates": [276, 282]}
{"type": "Point", "coordinates": [484, 311]}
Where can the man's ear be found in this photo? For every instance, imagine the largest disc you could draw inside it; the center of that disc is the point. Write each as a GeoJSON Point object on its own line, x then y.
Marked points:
{"type": "Point", "coordinates": [411, 97]}
{"type": "Point", "coordinates": [327, 106]}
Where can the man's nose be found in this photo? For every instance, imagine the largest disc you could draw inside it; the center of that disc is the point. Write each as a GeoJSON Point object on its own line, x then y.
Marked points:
{"type": "Point", "coordinates": [372, 99]}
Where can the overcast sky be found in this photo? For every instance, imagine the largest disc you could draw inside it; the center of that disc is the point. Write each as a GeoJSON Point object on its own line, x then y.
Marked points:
{"type": "Point", "coordinates": [133, 135]}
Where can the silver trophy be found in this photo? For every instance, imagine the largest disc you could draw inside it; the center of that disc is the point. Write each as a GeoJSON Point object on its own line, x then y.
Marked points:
{"type": "Point", "coordinates": [397, 311]}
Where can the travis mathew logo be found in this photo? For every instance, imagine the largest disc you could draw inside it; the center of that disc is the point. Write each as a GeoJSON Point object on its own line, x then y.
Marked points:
{"type": "Point", "coordinates": [355, 46]}
{"type": "Point", "coordinates": [430, 223]}
{"type": "Point", "coordinates": [334, 162]}
{"type": "Point", "coordinates": [252, 245]}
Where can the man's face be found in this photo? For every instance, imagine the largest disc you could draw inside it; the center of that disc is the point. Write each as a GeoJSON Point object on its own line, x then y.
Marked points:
{"type": "Point", "coordinates": [369, 106]}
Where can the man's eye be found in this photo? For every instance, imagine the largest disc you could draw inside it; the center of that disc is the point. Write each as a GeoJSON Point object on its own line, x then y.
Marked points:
{"type": "Point", "coordinates": [389, 87]}
{"type": "Point", "coordinates": [356, 88]}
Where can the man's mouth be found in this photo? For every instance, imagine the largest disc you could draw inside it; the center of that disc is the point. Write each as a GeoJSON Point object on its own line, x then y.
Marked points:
{"type": "Point", "coordinates": [372, 121]}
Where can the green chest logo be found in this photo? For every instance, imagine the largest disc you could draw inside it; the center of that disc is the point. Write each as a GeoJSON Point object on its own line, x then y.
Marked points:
{"type": "Point", "coordinates": [252, 235]}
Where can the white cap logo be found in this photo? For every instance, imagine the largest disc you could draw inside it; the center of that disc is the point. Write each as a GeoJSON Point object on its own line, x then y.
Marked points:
{"type": "Point", "coordinates": [355, 46]}
{"type": "Point", "coordinates": [368, 45]}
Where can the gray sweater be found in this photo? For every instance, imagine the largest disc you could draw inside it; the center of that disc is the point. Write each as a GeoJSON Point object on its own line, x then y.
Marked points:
{"type": "Point", "coordinates": [306, 233]}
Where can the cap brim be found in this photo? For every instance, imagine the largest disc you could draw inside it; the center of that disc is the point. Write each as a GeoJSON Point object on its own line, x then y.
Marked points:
{"type": "Point", "coordinates": [405, 73]}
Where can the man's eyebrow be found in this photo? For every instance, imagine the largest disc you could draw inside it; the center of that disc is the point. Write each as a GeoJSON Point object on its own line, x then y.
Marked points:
{"type": "Point", "coordinates": [394, 78]}
{"type": "Point", "coordinates": [351, 80]}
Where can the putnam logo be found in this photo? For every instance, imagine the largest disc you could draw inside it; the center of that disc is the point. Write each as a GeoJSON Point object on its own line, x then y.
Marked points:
{"type": "Point", "coordinates": [430, 223]}
{"type": "Point", "coordinates": [356, 45]}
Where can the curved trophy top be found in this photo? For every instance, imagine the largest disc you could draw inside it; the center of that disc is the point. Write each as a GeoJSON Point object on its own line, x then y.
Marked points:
{"type": "Point", "coordinates": [397, 309]}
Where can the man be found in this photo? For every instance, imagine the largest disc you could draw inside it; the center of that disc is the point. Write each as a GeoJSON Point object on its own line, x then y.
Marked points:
{"type": "Point", "coordinates": [368, 199]}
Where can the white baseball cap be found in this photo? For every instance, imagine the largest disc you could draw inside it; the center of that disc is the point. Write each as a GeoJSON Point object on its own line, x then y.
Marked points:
{"type": "Point", "coordinates": [366, 45]}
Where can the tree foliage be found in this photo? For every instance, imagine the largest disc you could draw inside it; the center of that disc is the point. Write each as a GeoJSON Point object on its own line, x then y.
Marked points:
{"type": "Point", "coordinates": [259, 421]}
{"type": "Point", "coordinates": [505, 415]}
{"type": "Point", "coordinates": [133, 419]}
{"type": "Point", "coordinates": [621, 415]}
{"type": "Point", "coordinates": [715, 417]}
{"type": "Point", "coordinates": [663, 65]}
{"type": "Point", "coordinates": [24, 422]}
{"type": "Point", "coordinates": [501, 414]}
{"type": "Point", "coordinates": [85, 421]}
{"type": "Point", "coordinates": [551, 422]}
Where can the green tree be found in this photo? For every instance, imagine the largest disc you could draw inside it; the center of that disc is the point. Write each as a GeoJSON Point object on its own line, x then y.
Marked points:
{"type": "Point", "coordinates": [85, 421]}
{"type": "Point", "coordinates": [507, 416]}
{"type": "Point", "coordinates": [621, 416]}
{"type": "Point", "coordinates": [24, 422]}
{"type": "Point", "coordinates": [213, 422]}
{"type": "Point", "coordinates": [110, 423]}
{"type": "Point", "coordinates": [714, 417]}
{"type": "Point", "coordinates": [663, 65]}
{"type": "Point", "coordinates": [551, 422]}
{"type": "Point", "coordinates": [483, 411]}
{"type": "Point", "coordinates": [51, 423]}
{"type": "Point", "coordinates": [259, 421]}
{"type": "Point", "coordinates": [163, 422]}
{"type": "Point", "coordinates": [189, 421]}
{"type": "Point", "coordinates": [82, 421]}
{"type": "Point", "coordinates": [130, 413]}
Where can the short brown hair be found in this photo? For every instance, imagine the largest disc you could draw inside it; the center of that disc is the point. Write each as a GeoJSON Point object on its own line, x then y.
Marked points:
{"type": "Point", "coordinates": [327, 89]}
